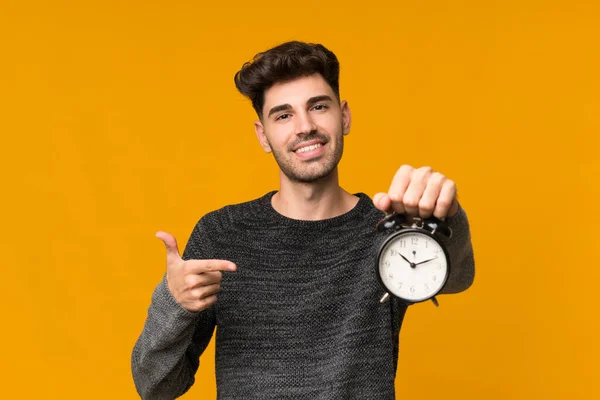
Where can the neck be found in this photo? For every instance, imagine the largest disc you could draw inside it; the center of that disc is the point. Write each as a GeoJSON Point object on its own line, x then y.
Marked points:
{"type": "Point", "coordinates": [322, 199]}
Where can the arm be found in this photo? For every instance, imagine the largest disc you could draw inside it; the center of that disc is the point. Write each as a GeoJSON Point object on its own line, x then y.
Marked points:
{"type": "Point", "coordinates": [460, 249]}
{"type": "Point", "coordinates": [166, 355]}
{"type": "Point", "coordinates": [423, 192]}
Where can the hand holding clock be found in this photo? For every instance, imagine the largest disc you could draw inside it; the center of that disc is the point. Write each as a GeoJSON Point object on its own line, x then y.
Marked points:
{"type": "Point", "coordinates": [420, 192]}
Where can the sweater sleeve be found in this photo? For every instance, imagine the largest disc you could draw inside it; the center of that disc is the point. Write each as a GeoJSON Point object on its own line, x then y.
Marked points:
{"type": "Point", "coordinates": [166, 355]}
{"type": "Point", "coordinates": [460, 249]}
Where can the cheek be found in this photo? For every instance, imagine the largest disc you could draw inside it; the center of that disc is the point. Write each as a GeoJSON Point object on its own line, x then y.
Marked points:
{"type": "Point", "coordinates": [332, 124]}
{"type": "Point", "coordinates": [278, 138]}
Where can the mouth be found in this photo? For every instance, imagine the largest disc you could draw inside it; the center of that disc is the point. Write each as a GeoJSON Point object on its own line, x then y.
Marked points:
{"type": "Point", "coordinates": [308, 145]}
{"type": "Point", "coordinates": [310, 149]}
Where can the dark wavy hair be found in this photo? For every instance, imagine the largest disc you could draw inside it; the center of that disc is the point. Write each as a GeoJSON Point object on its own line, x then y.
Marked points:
{"type": "Point", "coordinates": [284, 63]}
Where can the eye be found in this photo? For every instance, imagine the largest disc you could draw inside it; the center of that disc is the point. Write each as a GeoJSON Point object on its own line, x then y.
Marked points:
{"type": "Point", "coordinates": [282, 117]}
{"type": "Point", "coordinates": [320, 107]}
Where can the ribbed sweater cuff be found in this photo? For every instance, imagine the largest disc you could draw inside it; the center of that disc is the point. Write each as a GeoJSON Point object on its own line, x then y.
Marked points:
{"type": "Point", "coordinates": [168, 313]}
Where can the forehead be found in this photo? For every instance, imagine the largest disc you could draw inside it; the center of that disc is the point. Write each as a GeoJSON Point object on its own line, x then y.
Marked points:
{"type": "Point", "coordinates": [296, 92]}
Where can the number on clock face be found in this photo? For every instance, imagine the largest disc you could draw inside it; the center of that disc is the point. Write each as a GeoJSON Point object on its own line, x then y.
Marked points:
{"type": "Point", "coordinates": [413, 266]}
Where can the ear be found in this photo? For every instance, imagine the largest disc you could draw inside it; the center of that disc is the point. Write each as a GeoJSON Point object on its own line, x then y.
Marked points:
{"type": "Point", "coordinates": [346, 117]}
{"type": "Point", "coordinates": [262, 138]}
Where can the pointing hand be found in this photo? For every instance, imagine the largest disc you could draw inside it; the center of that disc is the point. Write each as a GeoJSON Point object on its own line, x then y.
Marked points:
{"type": "Point", "coordinates": [193, 283]}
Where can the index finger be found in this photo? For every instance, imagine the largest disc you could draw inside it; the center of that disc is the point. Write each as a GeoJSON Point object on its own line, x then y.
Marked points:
{"type": "Point", "coordinates": [200, 266]}
{"type": "Point", "coordinates": [399, 186]}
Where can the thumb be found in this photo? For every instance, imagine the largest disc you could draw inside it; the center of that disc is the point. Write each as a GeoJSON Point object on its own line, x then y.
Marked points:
{"type": "Point", "coordinates": [382, 201]}
{"type": "Point", "coordinates": [171, 245]}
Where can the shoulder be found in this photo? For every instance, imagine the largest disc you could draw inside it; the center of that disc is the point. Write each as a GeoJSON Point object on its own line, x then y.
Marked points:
{"type": "Point", "coordinates": [219, 227]}
{"type": "Point", "coordinates": [234, 215]}
{"type": "Point", "coordinates": [367, 210]}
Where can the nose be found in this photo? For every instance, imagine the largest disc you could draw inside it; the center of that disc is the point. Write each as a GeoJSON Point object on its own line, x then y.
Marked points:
{"type": "Point", "coordinates": [305, 124]}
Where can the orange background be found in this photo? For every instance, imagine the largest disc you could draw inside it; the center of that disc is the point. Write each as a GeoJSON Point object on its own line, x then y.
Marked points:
{"type": "Point", "coordinates": [120, 118]}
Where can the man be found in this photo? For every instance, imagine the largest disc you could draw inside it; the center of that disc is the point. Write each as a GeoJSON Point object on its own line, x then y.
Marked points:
{"type": "Point", "coordinates": [289, 279]}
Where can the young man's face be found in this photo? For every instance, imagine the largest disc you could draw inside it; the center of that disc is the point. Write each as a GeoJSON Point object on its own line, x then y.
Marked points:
{"type": "Point", "coordinates": [303, 125]}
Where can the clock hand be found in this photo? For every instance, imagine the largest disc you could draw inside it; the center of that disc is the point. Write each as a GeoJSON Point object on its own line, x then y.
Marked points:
{"type": "Point", "coordinates": [423, 262]}
{"type": "Point", "coordinates": [412, 265]}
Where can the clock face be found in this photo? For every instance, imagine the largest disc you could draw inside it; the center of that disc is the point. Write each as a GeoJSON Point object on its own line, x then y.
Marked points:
{"type": "Point", "coordinates": [413, 266]}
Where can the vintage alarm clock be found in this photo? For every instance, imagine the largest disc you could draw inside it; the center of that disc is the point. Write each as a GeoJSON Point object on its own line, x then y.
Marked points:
{"type": "Point", "coordinates": [412, 262]}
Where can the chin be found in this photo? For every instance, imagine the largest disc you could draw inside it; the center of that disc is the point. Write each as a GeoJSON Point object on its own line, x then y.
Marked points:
{"type": "Point", "coordinates": [309, 172]}
{"type": "Point", "coordinates": [308, 176]}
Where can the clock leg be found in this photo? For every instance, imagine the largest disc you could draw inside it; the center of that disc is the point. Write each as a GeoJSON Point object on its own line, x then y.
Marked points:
{"type": "Point", "coordinates": [385, 298]}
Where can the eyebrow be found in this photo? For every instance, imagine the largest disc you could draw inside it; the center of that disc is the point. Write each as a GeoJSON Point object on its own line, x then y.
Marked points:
{"type": "Point", "coordinates": [309, 102]}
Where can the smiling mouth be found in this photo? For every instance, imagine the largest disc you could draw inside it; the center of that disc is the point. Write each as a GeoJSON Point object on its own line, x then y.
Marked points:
{"type": "Point", "coordinates": [309, 148]}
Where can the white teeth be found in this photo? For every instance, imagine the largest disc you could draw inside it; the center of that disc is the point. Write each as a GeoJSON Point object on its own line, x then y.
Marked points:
{"type": "Point", "coordinates": [308, 148]}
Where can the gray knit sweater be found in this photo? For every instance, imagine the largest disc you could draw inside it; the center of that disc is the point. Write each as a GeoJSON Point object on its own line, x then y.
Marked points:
{"type": "Point", "coordinates": [299, 319]}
